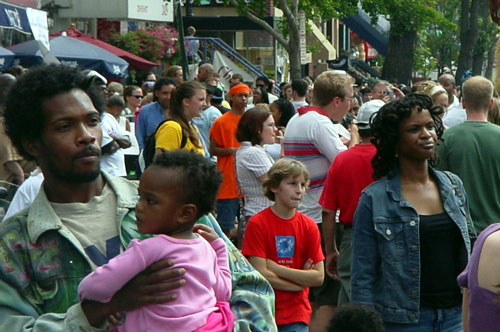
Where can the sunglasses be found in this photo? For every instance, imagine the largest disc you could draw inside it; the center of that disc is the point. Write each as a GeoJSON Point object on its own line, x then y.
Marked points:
{"type": "Point", "coordinates": [138, 97]}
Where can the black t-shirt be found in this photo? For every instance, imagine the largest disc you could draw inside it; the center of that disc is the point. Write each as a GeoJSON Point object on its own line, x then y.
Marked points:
{"type": "Point", "coordinates": [443, 256]}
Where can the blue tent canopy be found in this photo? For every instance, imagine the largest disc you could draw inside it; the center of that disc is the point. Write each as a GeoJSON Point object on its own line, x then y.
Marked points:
{"type": "Point", "coordinates": [72, 52]}
{"type": "Point", "coordinates": [376, 35]}
{"type": "Point", "coordinates": [6, 58]}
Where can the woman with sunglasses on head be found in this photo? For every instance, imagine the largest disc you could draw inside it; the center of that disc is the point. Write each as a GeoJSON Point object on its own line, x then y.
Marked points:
{"type": "Point", "coordinates": [412, 229]}
{"type": "Point", "coordinates": [133, 98]}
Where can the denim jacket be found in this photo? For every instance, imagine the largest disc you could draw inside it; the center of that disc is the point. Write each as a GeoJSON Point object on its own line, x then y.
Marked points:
{"type": "Point", "coordinates": [42, 263]}
{"type": "Point", "coordinates": [385, 268]}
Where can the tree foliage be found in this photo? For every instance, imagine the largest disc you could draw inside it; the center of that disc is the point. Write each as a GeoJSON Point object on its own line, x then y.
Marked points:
{"type": "Point", "coordinates": [155, 44]}
{"type": "Point", "coordinates": [426, 31]}
{"type": "Point", "coordinates": [408, 18]}
{"type": "Point", "coordinates": [288, 37]}
{"type": "Point", "coordinates": [424, 59]}
{"type": "Point", "coordinates": [442, 37]}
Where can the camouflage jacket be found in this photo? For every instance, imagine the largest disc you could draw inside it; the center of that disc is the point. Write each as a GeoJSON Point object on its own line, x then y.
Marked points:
{"type": "Point", "coordinates": [42, 263]}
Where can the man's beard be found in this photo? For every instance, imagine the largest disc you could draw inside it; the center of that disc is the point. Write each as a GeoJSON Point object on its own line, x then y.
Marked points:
{"type": "Point", "coordinates": [73, 176]}
{"type": "Point", "coordinates": [164, 106]}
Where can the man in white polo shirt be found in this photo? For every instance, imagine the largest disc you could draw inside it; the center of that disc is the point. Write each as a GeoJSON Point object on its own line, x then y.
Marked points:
{"type": "Point", "coordinates": [312, 138]}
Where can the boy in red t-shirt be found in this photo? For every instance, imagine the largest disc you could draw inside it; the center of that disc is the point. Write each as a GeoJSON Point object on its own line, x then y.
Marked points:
{"type": "Point", "coordinates": [284, 245]}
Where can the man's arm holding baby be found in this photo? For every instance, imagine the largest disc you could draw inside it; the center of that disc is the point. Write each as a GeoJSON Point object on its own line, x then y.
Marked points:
{"type": "Point", "coordinates": [145, 288]}
{"type": "Point", "coordinates": [310, 275]}
{"type": "Point", "coordinates": [18, 314]}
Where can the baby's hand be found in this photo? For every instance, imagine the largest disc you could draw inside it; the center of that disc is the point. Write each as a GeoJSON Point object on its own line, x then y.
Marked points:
{"type": "Point", "coordinates": [115, 320]}
{"type": "Point", "coordinates": [206, 232]}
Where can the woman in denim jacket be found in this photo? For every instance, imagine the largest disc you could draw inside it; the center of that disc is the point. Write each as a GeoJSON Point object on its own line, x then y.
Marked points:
{"type": "Point", "coordinates": [411, 227]}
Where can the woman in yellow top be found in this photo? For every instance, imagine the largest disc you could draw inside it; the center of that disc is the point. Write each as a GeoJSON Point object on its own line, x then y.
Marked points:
{"type": "Point", "coordinates": [187, 101]}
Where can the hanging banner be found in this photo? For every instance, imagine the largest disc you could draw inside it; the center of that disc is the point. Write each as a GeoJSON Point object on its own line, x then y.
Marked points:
{"type": "Point", "coordinates": [225, 67]}
{"type": "Point", "coordinates": [151, 10]}
{"type": "Point", "coordinates": [39, 28]}
{"type": "Point", "coordinates": [302, 36]}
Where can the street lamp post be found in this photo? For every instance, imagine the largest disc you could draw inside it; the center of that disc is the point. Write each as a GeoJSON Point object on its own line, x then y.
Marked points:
{"type": "Point", "coordinates": [182, 46]}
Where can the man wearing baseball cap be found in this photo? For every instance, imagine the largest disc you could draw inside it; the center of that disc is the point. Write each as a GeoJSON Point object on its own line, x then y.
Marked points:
{"type": "Point", "coordinates": [206, 120]}
{"type": "Point", "coordinates": [223, 145]}
{"type": "Point", "coordinates": [350, 172]}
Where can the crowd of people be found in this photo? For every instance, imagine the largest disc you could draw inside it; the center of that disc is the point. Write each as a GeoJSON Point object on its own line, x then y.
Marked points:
{"type": "Point", "coordinates": [316, 205]}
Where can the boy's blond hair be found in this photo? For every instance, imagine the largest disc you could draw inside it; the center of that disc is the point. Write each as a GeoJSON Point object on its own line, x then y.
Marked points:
{"type": "Point", "coordinates": [282, 169]}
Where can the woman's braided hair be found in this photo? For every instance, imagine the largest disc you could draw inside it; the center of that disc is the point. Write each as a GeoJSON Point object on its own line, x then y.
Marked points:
{"type": "Point", "coordinates": [385, 129]}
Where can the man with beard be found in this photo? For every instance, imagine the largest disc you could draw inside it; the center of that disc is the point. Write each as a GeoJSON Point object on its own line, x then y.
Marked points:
{"type": "Point", "coordinates": [81, 218]}
{"type": "Point", "coordinates": [151, 115]}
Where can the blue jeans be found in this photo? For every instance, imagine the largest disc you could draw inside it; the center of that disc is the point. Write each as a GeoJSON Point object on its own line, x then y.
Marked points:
{"type": "Point", "coordinates": [227, 211]}
{"type": "Point", "coordinates": [432, 320]}
{"type": "Point", "coordinates": [294, 327]}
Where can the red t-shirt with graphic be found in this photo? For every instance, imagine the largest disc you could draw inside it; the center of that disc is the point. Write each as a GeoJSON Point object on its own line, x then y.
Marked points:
{"type": "Point", "coordinates": [288, 242]}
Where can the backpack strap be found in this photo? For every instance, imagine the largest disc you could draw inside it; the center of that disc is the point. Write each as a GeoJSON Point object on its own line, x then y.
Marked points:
{"type": "Point", "coordinates": [150, 146]}
{"type": "Point", "coordinates": [183, 138]}
{"type": "Point", "coordinates": [470, 225]}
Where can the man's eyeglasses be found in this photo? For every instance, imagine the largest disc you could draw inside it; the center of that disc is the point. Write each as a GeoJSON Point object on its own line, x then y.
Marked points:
{"type": "Point", "coordinates": [350, 99]}
{"type": "Point", "coordinates": [138, 97]}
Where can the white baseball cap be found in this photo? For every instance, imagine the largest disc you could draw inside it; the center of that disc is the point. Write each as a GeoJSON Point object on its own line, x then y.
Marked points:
{"type": "Point", "coordinates": [366, 111]}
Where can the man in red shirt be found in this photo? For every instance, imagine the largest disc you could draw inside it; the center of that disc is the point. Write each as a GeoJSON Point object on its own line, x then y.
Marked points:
{"type": "Point", "coordinates": [350, 172]}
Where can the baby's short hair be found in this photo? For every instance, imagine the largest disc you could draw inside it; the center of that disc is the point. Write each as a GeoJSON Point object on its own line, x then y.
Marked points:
{"type": "Point", "coordinates": [282, 169]}
{"type": "Point", "coordinates": [198, 178]}
{"type": "Point", "coordinates": [356, 318]}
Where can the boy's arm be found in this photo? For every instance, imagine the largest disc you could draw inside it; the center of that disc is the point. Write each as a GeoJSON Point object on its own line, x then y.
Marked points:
{"type": "Point", "coordinates": [276, 282]}
{"type": "Point", "coordinates": [307, 278]}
